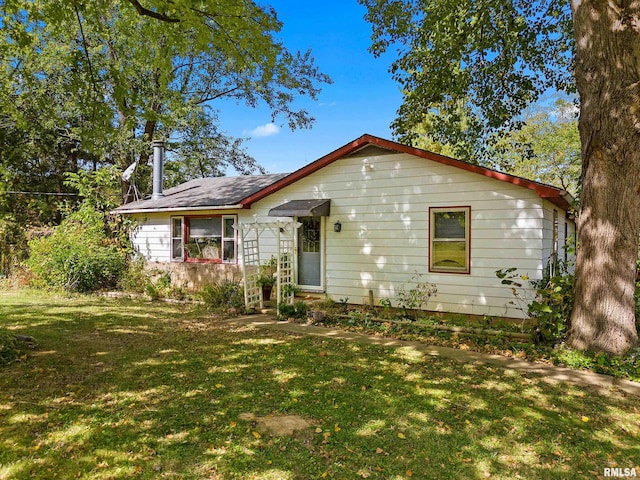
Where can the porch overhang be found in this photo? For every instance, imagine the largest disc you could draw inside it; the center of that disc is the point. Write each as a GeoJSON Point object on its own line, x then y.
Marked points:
{"type": "Point", "coordinates": [302, 208]}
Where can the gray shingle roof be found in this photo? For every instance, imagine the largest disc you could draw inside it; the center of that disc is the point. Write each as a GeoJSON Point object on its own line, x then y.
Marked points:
{"type": "Point", "coordinates": [205, 192]}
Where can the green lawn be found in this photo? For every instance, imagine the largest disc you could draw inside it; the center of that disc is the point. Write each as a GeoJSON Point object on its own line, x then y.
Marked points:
{"type": "Point", "coordinates": [123, 389]}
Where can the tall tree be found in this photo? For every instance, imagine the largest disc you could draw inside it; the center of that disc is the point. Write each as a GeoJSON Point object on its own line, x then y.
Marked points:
{"type": "Point", "coordinates": [109, 75]}
{"type": "Point", "coordinates": [497, 57]}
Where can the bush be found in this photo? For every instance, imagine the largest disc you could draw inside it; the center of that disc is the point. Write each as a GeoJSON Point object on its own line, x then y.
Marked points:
{"type": "Point", "coordinates": [135, 278]}
{"type": "Point", "coordinates": [551, 309]}
{"type": "Point", "coordinates": [13, 245]}
{"type": "Point", "coordinates": [224, 296]}
{"type": "Point", "coordinates": [298, 310]}
{"type": "Point", "coordinates": [78, 256]}
{"type": "Point", "coordinates": [10, 348]}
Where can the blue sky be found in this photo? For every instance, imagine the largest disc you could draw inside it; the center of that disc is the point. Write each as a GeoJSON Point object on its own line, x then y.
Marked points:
{"type": "Point", "coordinates": [362, 99]}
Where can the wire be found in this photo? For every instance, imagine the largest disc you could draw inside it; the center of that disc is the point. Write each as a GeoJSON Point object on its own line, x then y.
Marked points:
{"type": "Point", "coordinates": [13, 192]}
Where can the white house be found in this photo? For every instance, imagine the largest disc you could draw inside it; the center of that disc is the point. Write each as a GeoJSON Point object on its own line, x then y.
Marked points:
{"type": "Point", "coordinates": [373, 213]}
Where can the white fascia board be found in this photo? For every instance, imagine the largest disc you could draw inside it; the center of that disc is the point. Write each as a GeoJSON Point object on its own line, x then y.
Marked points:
{"type": "Point", "coordinates": [176, 209]}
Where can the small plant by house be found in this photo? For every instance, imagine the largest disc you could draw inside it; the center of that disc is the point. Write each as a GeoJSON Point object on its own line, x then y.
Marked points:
{"type": "Point", "coordinates": [224, 296]}
{"type": "Point", "coordinates": [414, 295]}
{"type": "Point", "coordinates": [298, 310]}
{"type": "Point", "coordinates": [267, 277]}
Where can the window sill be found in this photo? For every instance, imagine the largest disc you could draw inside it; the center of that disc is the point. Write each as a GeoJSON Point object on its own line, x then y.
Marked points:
{"type": "Point", "coordinates": [203, 260]}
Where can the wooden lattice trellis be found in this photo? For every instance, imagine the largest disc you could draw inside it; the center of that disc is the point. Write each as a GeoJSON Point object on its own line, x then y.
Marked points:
{"type": "Point", "coordinates": [250, 248]}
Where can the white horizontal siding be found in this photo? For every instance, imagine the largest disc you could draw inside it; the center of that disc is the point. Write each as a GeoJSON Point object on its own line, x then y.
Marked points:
{"type": "Point", "coordinates": [151, 238]}
{"type": "Point", "coordinates": [384, 212]}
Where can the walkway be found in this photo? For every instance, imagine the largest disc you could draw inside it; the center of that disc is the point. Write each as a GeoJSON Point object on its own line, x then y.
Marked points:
{"type": "Point", "coordinates": [549, 372]}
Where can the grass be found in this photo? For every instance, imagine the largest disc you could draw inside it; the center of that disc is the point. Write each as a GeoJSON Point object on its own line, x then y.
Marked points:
{"type": "Point", "coordinates": [483, 334]}
{"type": "Point", "coordinates": [127, 389]}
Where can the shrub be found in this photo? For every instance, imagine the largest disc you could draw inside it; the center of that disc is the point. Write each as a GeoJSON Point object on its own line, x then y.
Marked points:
{"type": "Point", "coordinates": [224, 295]}
{"type": "Point", "coordinates": [551, 309]}
{"type": "Point", "coordinates": [286, 311]}
{"type": "Point", "coordinates": [298, 310]}
{"type": "Point", "coordinates": [78, 255]}
{"type": "Point", "coordinates": [135, 278]}
{"type": "Point", "coordinates": [301, 309]}
{"type": "Point", "coordinates": [13, 245]}
{"type": "Point", "coordinates": [549, 306]}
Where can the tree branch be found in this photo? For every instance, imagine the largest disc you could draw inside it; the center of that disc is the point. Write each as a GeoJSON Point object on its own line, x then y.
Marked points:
{"type": "Point", "coordinates": [150, 13]}
{"type": "Point", "coordinates": [217, 95]}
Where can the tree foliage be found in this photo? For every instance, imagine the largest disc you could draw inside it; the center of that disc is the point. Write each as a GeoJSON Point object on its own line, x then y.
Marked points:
{"type": "Point", "coordinates": [546, 149]}
{"type": "Point", "coordinates": [475, 64]}
{"type": "Point", "coordinates": [84, 84]}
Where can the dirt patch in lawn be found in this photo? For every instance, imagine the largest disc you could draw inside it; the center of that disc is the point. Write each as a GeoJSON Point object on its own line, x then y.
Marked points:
{"type": "Point", "coordinates": [277, 425]}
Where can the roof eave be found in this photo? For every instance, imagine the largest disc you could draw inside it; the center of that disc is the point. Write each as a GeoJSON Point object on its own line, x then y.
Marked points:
{"type": "Point", "coordinates": [177, 209]}
{"type": "Point", "coordinates": [553, 194]}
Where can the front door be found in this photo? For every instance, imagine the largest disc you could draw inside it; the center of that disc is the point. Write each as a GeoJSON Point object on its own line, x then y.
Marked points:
{"type": "Point", "coordinates": [310, 252]}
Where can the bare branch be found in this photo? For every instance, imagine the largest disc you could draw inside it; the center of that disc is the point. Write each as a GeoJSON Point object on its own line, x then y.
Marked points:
{"type": "Point", "coordinates": [150, 13]}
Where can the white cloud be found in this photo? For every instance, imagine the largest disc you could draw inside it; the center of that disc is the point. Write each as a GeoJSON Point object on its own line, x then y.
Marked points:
{"type": "Point", "coordinates": [265, 130]}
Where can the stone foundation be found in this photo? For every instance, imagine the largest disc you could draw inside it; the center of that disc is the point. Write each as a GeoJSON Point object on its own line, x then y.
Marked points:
{"type": "Point", "coordinates": [193, 276]}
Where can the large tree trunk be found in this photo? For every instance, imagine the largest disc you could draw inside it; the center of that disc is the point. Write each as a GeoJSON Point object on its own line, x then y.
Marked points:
{"type": "Point", "coordinates": [608, 80]}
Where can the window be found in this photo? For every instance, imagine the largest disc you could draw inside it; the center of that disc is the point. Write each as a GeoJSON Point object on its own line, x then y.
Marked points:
{"type": "Point", "coordinates": [177, 236]}
{"type": "Point", "coordinates": [206, 239]}
{"type": "Point", "coordinates": [449, 234]}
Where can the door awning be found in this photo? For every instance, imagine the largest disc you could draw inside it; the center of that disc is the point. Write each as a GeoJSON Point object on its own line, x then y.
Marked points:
{"type": "Point", "coordinates": [302, 208]}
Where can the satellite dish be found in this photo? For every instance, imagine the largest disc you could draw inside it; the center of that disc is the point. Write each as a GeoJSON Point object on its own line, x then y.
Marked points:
{"type": "Point", "coordinates": [126, 175]}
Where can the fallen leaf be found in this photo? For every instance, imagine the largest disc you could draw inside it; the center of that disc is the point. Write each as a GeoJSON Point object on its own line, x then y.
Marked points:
{"type": "Point", "coordinates": [401, 435]}
{"type": "Point", "coordinates": [409, 473]}
{"type": "Point", "coordinates": [379, 450]}
{"type": "Point", "coordinates": [256, 434]}
{"type": "Point", "coordinates": [585, 419]}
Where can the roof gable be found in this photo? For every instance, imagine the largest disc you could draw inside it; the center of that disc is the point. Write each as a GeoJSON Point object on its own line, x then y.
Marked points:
{"type": "Point", "coordinates": [371, 145]}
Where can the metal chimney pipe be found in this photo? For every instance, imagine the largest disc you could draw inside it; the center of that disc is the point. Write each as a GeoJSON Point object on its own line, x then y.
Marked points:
{"type": "Point", "coordinates": [158, 166]}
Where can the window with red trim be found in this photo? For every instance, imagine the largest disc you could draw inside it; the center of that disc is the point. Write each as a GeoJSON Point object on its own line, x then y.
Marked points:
{"type": "Point", "coordinates": [449, 234]}
{"type": "Point", "coordinates": [207, 239]}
